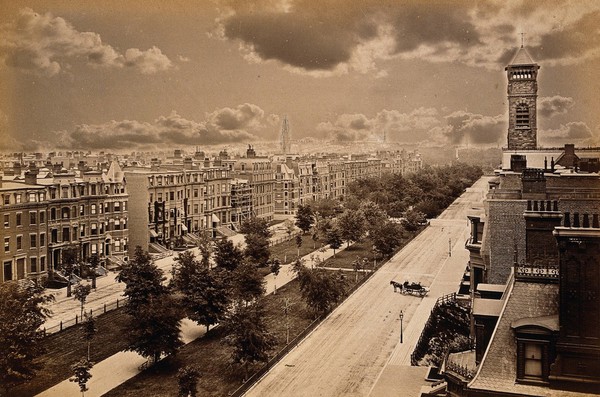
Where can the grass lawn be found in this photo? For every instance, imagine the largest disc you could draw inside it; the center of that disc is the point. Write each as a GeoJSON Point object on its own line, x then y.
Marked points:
{"type": "Point", "coordinates": [218, 377]}
{"type": "Point", "coordinates": [287, 251]}
{"type": "Point", "coordinates": [67, 347]}
{"type": "Point", "coordinates": [363, 249]}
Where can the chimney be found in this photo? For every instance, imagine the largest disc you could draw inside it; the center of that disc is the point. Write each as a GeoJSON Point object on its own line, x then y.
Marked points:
{"type": "Point", "coordinates": [187, 163]}
{"type": "Point", "coordinates": [541, 218]}
{"type": "Point", "coordinates": [31, 175]}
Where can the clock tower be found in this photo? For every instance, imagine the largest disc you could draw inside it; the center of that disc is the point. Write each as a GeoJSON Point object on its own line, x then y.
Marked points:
{"type": "Point", "coordinates": [522, 101]}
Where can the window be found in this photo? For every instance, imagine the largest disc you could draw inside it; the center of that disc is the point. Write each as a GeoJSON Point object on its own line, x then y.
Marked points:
{"type": "Point", "coordinates": [117, 225]}
{"type": "Point", "coordinates": [6, 244]}
{"type": "Point", "coordinates": [533, 360]}
{"type": "Point", "coordinates": [19, 222]}
{"type": "Point", "coordinates": [32, 218]}
{"type": "Point", "coordinates": [33, 265]}
{"type": "Point", "coordinates": [81, 210]}
{"type": "Point", "coordinates": [8, 275]}
{"type": "Point", "coordinates": [117, 206]}
{"type": "Point", "coordinates": [43, 264]}
{"type": "Point", "coordinates": [522, 116]}
{"type": "Point", "coordinates": [82, 230]}
{"type": "Point", "coordinates": [6, 220]}
{"type": "Point", "coordinates": [66, 234]}
{"type": "Point", "coordinates": [52, 213]}
{"type": "Point", "coordinates": [195, 192]}
{"type": "Point", "coordinates": [42, 239]}
{"type": "Point", "coordinates": [6, 199]}
{"type": "Point", "coordinates": [19, 242]}
{"type": "Point", "coordinates": [17, 198]}
{"type": "Point", "coordinates": [32, 197]}
{"type": "Point", "coordinates": [94, 229]}
{"type": "Point", "coordinates": [32, 241]}
{"type": "Point", "coordinates": [93, 209]}
{"type": "Point", "coordinates": [171, 196]}
{"type": "Point", "coordinates": [42, 216]}
{"type": "Point", "coordinates": [65, 212]}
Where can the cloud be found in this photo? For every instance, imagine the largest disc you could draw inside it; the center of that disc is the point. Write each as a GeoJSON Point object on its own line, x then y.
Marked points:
{"type": "Point", "coordinates": [44, 44]}
{"type": "Point", "coordinates": [336, 37]}
{"type": "Point", "coordinates": [227, 125]}
{"type": "Point", "coordinates": [397, 126]}
{"type": "Point", "coordinates": [474, 129]}
{"type": "Point", "coordinates": [552, 106]}
{"type": "Point", "coordinates": [574, 132]}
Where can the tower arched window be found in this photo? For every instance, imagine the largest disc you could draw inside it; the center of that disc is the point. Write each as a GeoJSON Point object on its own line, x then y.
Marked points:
{"type": "Point", "coordinates": [522, 120]}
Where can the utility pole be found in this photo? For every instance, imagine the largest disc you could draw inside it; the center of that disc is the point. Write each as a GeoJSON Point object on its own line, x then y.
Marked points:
{"type": "Point", "coordinates": [449, 246]}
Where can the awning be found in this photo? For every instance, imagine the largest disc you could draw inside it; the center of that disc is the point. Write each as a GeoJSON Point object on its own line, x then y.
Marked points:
{"type": "Point", "coordinates": [215, 218]}
{"type": "Point", "coordinates": [153, 233]}
{"type": "Point", "coordinates": [184, 228]}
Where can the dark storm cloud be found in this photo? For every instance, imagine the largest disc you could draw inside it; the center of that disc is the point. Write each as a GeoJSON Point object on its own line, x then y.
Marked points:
{"type": "Point", "coordinates": [304, 41]}
{"type": "Point", "coordinates": [225, 125]}
{"type": "Point", "coordinates": [475, 129]}
{"type": "Point", "coordinates": [552, 106]}
{"type": "Point", "coordinates": [579, 39]}
{"type": "Point", "coordinates": [44, 44]}
{"type": "Point", "coordinates": [433, 25]}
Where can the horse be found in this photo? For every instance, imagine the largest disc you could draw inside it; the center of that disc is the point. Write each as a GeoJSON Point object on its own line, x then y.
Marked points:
{"type": "Point", "coordinates": [396, 285]}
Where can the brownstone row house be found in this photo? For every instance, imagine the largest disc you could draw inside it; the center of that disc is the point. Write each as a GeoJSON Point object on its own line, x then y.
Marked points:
{"type": "Point", "coordinates": [45, 211]}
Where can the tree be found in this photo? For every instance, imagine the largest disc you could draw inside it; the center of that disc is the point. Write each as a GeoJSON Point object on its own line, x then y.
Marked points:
{"type": "Point", "coordinates": [256, 225]}
{"type": "Point", "coordinates": [81, 374]}
{"type": "Point", "coordinates": [154, 328]}
{"type": "Point", "coordinates": [184, 268]}
{"type": "Point", "coordinates": [247, 284]}
{"type": "Point", "coordinates": [351, 225]}
{"type": "Point", "coordinates": [143, 279]}
{"type": "Point", "coordinates": [94, 263]}
{"type": "Point", "coordinates": [413, 219]}
{"type": "Point", "coordinates": [187, 379]}
{"type": "Point", "coordinates": [373, 214]}
{"type": "Point", "coordinates": [298, 243]}
{"type": "Point", "coordinates": [205, 245]}
{"type": "Point", "coordinates": [304, 218]}
{"type": "Point", "coordinates": [321, 289]}
{"type": "Point", "coordinates": [325, 208]}
{"type": "Point", "coordinates": [248, 334]}
{"type": "Point", "coordinates": [22, 313]}
{"type": "Point", "coordinates": [275, 266]}
{"type": "Point", "coordinates": [206, 297]}
{"type": "Point", "coordinates": [227, 256]}
{"type": "Point", "coordinates": [89, 331]}
{"type": "Point", "coordinates": [257, 249]}
{"type": "Point", "coordinates": [334, 238]}
{"type": "Point", "coordinates": [80, 293]}
{"type": "Point", "coordinates": [387, 237]}
{"type": "Point", "coordinates": [289, 228]}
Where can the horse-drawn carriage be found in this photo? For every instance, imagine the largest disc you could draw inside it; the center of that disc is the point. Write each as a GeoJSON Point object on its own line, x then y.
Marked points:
{"type": "Point", "coordinates": [412, 288]}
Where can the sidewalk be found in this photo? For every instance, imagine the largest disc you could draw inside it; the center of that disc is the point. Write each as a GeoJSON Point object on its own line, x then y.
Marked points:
{"type": "Point", "coordinates": [122, 366]}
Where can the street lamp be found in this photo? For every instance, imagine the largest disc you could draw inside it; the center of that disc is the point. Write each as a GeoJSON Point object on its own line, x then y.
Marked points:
{"type": "Point", "coordinates": [401, 317]}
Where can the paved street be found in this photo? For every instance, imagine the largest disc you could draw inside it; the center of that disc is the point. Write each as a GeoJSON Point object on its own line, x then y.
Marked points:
{"type": "Point", "coordinates": [347, 353]}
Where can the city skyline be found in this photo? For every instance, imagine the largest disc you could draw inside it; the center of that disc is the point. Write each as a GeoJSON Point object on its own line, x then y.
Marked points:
{"type": "Point", "coordinates": [143, 77]}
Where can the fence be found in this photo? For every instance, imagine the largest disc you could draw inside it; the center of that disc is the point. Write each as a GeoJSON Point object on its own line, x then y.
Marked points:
{"type": "Point", "coordinates": [106, 307]}
{"type": "Point", "coordinates": [279, 240]}
{"type": "Point", "coordinates": [423, 339]}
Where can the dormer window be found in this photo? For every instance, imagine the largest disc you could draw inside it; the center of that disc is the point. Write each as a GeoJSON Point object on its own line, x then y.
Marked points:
{"type": "Point", "coordinates": [535, 348]}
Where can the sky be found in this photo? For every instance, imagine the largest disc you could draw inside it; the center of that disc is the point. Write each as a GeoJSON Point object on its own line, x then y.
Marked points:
{"type": "Point", "coordinates": [145, 75]}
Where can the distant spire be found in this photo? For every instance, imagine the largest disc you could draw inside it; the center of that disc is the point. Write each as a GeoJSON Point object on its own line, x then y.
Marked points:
{"type": "Point", "coordinates": [285, 140]}
{"type": "Point", "coordinates": [522, 39]}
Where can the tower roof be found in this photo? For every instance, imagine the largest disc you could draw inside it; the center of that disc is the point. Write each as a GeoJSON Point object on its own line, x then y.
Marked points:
{"type": "Point", "coordinates": [522, 57]}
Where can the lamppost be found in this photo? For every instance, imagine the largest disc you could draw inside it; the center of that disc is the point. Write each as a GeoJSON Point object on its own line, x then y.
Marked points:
{"type": "Point", "coordinates": [449, 246]}
{"type": "Point", "coordinates": [401, 317]}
